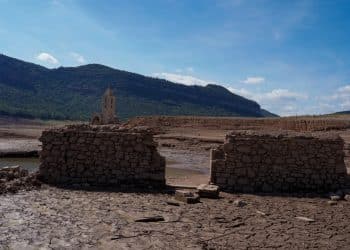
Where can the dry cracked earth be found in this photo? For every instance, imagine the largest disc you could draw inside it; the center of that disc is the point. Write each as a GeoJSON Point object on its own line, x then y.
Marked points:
{"type": "Point", "coordinates": [52, 218]}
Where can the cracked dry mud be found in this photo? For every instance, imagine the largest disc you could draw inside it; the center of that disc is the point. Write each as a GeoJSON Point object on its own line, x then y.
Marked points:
{"type": "Point", "coordinates": [52, 218]}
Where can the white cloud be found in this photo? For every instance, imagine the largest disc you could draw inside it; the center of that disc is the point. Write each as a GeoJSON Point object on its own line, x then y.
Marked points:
{"type": "Point", "coordinates": [253, 80]}
{"type": "Point", "coordinates": [281, 101]}
{"type": "Point", "coordinates": [281, 95]}
{"type": "Point", "coordinates": [340, 93]}
{"type": "Point", "coordinates": [340, 97]}
{"type": "Point", "coordinates": [78, 58]}
{"type": "Point", "coordinates": [345, 105]}
{"type": "Point", "coordinates": [184, 79]}
{"type": "Point", "coordinates": [242, 92]}
{"type": "Point", "coordinates": [343, 92]}
{"type": "Point", "coordinates": [276, 95]}
{"type": "Point", "coordinates": [46, 57]}
{"type": "Point", "coordinates": [289, 108]}
{"type": "Point", "coordinates": [190, 69]}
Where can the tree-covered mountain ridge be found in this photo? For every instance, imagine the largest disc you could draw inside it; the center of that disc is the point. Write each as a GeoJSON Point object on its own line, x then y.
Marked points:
{"type": "Point", "coordinates": [33, 91]}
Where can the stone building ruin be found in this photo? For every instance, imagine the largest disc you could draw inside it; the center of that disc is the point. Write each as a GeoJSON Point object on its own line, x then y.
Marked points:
{"type": "Point", "coordinates": [100, 156]}
{"type": "Point", "coordinates": [261, 161]}
{"type": "Point", "coordinates": [108, 114]}
{"type": "Point", "coordinates": [248, 160]}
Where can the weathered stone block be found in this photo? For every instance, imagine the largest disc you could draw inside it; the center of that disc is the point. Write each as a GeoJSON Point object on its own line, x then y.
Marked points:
{"type": "Point", "coordinates": [208, 191]}
{"type": "Point", "coordinates": [186, 196]}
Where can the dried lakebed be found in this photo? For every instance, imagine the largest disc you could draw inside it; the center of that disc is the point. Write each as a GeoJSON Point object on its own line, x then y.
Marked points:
{"type": "Point", "coordinates": [175, 173]}
{"type": "Point", "coordinates": [52, 218]}
{"type": "Point", "coordinates": [19, 147]}
{"type": "Point", "coordinates": [186, 165]}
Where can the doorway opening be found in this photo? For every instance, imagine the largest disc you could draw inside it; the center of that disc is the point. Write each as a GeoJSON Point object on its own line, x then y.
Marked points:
{"type": "Point", "coordinates": [187, 154]}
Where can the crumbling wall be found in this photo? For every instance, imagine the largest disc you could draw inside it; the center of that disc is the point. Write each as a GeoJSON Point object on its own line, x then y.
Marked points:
{"type": "Point", "coordinates": [100, 155]}
{"type": "Point", "coordinates": [251, 161]}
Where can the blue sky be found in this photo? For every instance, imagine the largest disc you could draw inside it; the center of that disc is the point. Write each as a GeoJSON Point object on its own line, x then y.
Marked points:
{"type": "Point", "coordinates": [290, 56]}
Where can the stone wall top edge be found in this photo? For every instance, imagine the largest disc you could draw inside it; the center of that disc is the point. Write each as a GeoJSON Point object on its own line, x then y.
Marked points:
{"type": "Point", "coordinates": [283, 134]}
{"type": "Point", "coordinates": [101, 129]}
{"type": "Point", "coordinates": [235, 118]}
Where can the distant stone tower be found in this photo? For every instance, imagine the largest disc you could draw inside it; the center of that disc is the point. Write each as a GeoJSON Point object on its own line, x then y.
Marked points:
{"type": "Point", "coordinates": [108, 110]}
{"type": "Point", "coordinates": [108, 107]}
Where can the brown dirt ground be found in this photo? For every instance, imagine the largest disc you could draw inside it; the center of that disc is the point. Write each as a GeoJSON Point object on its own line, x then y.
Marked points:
{"type": "Point", "coordinates": [53, 218]}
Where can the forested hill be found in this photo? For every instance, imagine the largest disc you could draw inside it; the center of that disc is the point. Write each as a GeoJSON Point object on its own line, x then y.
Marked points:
{"type": "Point", "coordinates": [30, 90]}
{"type": "Point", "coordinates": [342, 113]}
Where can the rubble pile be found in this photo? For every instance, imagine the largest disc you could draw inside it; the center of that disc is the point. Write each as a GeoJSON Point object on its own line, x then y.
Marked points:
{"type": "Point", "coordinates": [13, 179]}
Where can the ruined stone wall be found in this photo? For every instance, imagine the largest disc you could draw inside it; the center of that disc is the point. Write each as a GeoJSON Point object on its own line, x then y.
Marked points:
{"type": "Point", "coordinates": [251, 161]}
{"type": "Point", "coordinates": [100, 155]}
{"type": "Point", "coordinates": [238, 123]}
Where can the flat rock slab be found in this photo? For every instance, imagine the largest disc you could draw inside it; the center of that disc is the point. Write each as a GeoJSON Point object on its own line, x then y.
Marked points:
{"type": "Point", "coordinates": [302, 218]}
{"type": "Point", "coordinates": [332, 203]}
{"type": "Point", "coordinates": [173, 202]}
{"type": "Point", "coordinates": [186, 196]}
{"type": "Point", "coordinates": [155, 218]}
{"type": "Point", "coordinates": [208, 191]}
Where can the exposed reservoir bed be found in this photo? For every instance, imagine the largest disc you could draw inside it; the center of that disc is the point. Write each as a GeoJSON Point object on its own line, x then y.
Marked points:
{"type": "Point", "coordinates": [174, 175]}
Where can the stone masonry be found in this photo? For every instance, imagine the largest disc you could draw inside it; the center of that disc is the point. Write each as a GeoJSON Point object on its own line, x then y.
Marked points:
{"type": "Point", "coordinates": [253, 161]}
{"type": "Point", "coordinates": [100, 155]}
{"type": "Point", "coordinates": [299, 124]}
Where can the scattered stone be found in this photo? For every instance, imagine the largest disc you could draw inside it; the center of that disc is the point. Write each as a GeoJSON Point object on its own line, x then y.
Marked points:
{"type": "Point", "coordinates": [208, 191]}
{"type": "Point", "coordinates": [172, 203]}
{"type": "Point", "coordinates": [239, 203]}
{"type": "Point", "coordinates": [13, 179]}
{"type": "Point", "coordinates": [305, 219]}
{"type": "Point", "coordinates": [12, 172]}
{"type": "Point", "coordinates": [332, 202]}
{"type": "Point", "coordinates": [347, 197]}
{"type": "Point", "coordinates": [186, 196]}
{"type": "Point", "coordinates": [150, 219]}
{"type": "Point", "coordinates": [334, 197]}
{"type": "Point", "coordinates": [88, 218]}
{"type": "Point", "coordinates": [261, 213]}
